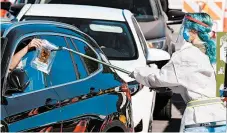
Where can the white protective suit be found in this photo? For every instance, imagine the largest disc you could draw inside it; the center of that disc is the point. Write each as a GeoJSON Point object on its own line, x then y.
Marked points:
{"type": "Point", "coordinates": [189, 73]}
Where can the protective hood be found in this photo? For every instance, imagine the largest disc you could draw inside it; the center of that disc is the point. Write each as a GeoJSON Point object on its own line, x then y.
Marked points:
{"type": "Point", "coordinates": [191, 23]}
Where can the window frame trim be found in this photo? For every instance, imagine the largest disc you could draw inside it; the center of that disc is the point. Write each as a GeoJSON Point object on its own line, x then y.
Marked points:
{"type": "Point", "coordinates": [85, 66]}
{"type": "Point", "coordinates": [153, 3]}
{"type": "Point", "coordinates": [54, 86]}
{"type": "Point", "coordinates": [136, 25]}
{"type": "Point", "coordinates": [72, 60]}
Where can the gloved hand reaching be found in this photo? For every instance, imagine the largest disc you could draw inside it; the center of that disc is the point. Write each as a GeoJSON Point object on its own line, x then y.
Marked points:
{"type": "Point", "coordinates": [153, 66]}
{"type": "Point", "coordinates": [132, 74]}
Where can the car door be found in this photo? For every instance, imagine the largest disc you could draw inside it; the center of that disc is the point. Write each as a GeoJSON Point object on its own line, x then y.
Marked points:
{"type": "Point", "coordinates": [38, 105]}
{"type": "Point", "coordinates": [83, 100]}
{"type": "Point", "coordinates": [66, 68]}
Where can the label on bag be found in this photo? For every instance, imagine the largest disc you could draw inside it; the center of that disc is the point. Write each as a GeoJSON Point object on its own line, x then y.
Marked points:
{"type": "Point", "coordinates": [44, 57]}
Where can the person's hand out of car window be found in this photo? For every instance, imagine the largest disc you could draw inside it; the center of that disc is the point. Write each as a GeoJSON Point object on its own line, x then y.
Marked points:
{"type": "Point", "coordinates": [35, 43]}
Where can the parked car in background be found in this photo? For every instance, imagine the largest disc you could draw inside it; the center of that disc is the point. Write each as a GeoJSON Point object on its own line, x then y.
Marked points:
{"type": "Point", "coordinates": [77, 95]}
{"type": "Point", "coordinates": [173, 10]}
{"type": "Point", "coordinates": [148, 13]}
{"type": "Point", "coordinates": [118, 34]}
{"type": "Point", "coordinates": [172, 5]}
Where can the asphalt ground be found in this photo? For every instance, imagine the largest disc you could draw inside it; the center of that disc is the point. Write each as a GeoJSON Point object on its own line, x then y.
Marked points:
{"type": "Point", "coordinates": [178, 106]}
{"type": "Point", "coordinates": [173, 125]}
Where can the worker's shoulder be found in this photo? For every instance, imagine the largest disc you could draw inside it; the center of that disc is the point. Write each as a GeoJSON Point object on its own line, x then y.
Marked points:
{"type": "Point", "coordinates": [193, 54]}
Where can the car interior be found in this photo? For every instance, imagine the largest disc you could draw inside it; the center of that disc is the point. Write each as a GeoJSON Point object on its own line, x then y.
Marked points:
{"type": "Point", "coordinates": [114, 44]}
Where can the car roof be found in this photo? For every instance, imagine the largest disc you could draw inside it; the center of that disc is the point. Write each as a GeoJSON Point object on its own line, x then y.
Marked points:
{"type": "Point", "coordinates": [76, 11]}
{"type": "Point", "coordinates": [45, 26]}
{"type": "Point", "coordinates": [18, 29]}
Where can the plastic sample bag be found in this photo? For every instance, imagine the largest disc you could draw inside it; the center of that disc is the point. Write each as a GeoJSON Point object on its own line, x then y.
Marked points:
{"type": "Point", "coordinates": [44, 57]}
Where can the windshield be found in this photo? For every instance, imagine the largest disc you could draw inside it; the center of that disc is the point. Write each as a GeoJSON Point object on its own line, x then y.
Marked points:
{"type": "Point", "coordinates": [114, 38]}
{"type": "Point", "coordinates": [144, 10]}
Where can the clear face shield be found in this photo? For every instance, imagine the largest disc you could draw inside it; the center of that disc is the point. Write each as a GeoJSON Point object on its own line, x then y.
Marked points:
{"type": "Point", "coordinates": [183, 35]}
{"type": "Point", "coordinates": [179, 39]}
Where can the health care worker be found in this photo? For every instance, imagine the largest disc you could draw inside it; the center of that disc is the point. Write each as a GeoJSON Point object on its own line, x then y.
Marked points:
{"type": "Point", "coordinates": [190, 73]}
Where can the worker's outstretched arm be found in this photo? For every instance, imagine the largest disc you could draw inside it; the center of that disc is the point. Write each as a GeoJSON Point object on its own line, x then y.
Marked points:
{"type": "Point", "coordinates": [154, 77]}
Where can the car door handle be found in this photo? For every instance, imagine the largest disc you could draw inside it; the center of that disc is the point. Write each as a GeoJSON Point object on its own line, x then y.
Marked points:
{"type": "Point", "coordinates": [92, 90]}
{"type": "Point", "coordinates": [50, 101]}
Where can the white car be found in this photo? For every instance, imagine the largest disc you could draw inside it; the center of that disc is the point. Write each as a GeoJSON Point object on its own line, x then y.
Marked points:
{"type": "Point", "coordinates": [118, 34]}
{"type": "Point", "coordinates": [171, 5]}
{"type": "Point", "coordinates": [176, 4]}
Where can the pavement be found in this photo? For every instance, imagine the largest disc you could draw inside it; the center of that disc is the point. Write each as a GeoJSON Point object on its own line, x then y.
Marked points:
{"type": "Point", "coordinates": [173, 125]}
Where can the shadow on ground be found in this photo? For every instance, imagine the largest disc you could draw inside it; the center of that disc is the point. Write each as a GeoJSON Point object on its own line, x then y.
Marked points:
{"type": "Point", "coordinates": [179, 103]}
{"type": "Point", "coordinates": [173, 126]}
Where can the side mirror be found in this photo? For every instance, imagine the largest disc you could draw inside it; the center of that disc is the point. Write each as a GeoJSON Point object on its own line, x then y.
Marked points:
{"type": "Point", "coordinates": [157, 55]}
{"type": "Point", "coordinates": [134, 87]}
{"type": "Point", "coordinates": [17, 81]}
{"type": "Point", "coordinates": [175, 15]}
{"type": "Point", "coordinates": [5, 5]}
{"type": "Point", "coordinates": [174, 22]}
